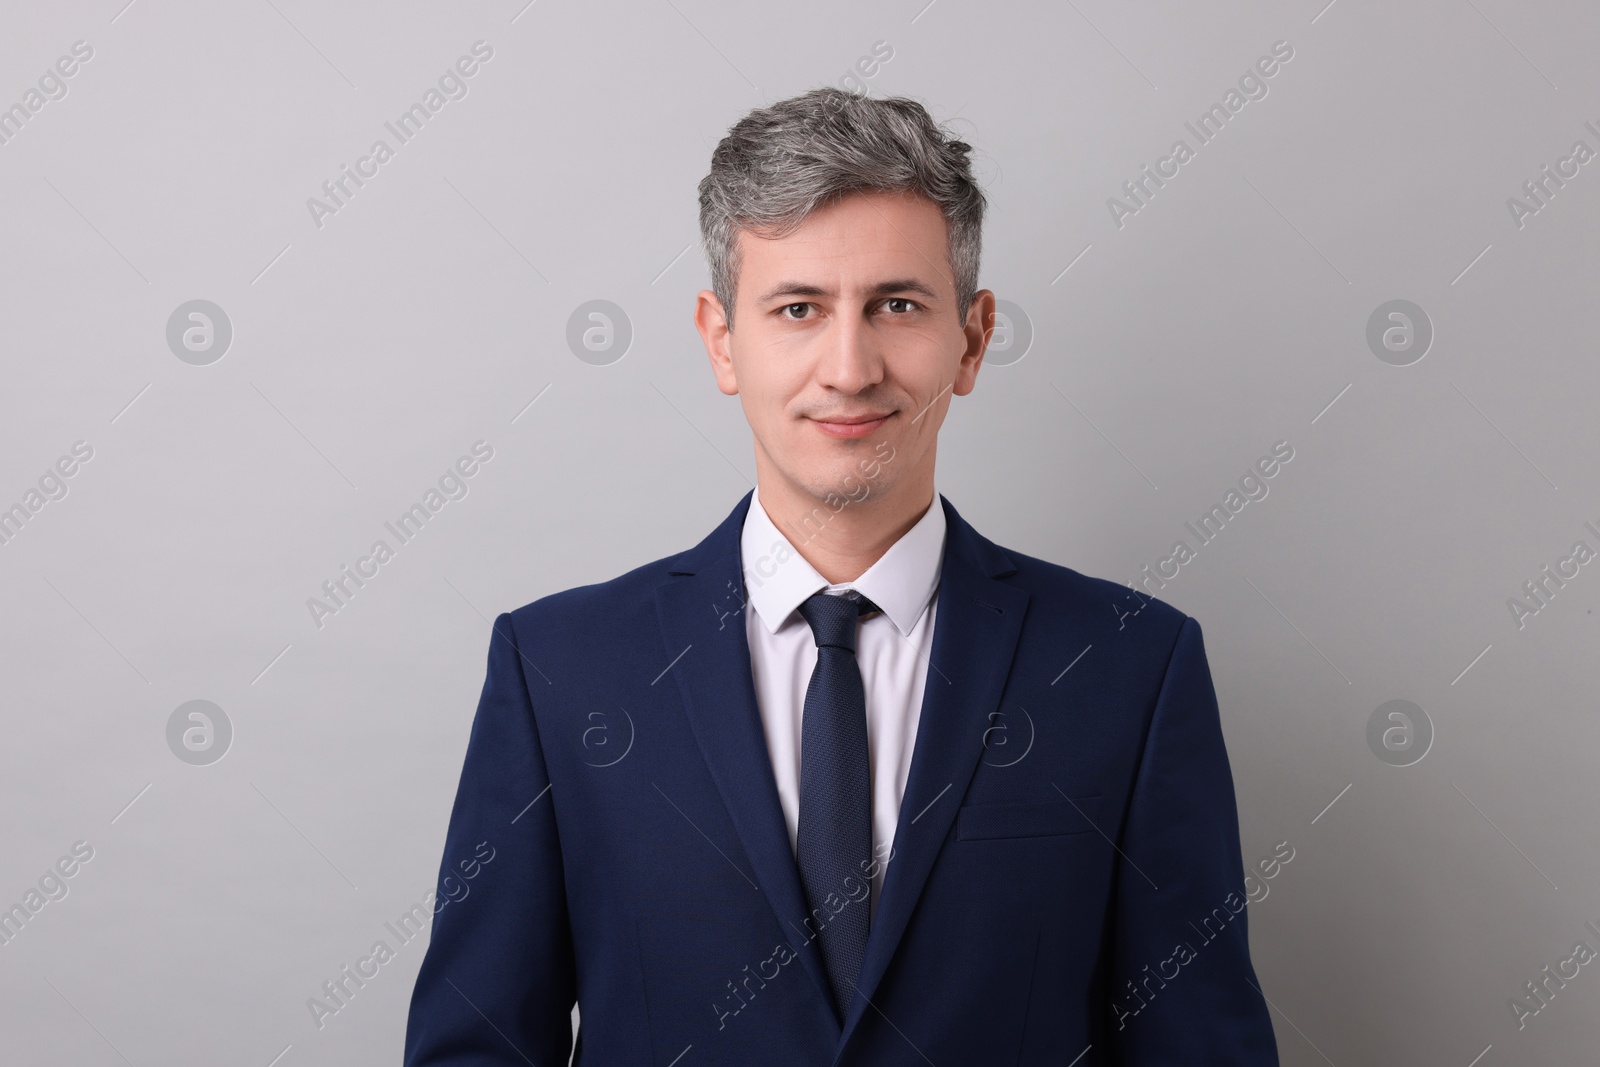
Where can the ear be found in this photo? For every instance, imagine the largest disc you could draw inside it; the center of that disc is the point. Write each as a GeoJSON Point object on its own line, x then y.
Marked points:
{"type": "Point", "coordinates": [977, 331]}
{"type": "Point", "coordinates": [712, 322]}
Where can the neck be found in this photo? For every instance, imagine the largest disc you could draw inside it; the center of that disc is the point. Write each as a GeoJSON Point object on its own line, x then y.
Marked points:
{"type": "Point", "coordinates": [841, 544]}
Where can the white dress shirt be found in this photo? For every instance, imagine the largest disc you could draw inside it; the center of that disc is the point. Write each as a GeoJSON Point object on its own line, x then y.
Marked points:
{"type": "Point", "coordinates": [892, 649]}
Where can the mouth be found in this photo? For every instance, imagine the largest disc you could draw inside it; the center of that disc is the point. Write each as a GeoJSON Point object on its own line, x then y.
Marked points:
{"type": "Point", "coordinates": [853, 425]}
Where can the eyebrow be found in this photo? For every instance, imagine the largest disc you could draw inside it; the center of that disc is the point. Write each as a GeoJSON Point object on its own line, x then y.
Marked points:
{"type": "Point", "coordinates": [884, 288]}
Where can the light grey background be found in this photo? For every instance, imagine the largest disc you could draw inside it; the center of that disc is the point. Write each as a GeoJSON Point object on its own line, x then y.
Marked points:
{"type": "Point", "coordinates": [368, 354]}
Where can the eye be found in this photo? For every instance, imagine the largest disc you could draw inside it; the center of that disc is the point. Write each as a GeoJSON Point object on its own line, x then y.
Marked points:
{"type": "Point", "coordinates": [909, 304]}
{"type": "Point", "coordinates": [790, 307]}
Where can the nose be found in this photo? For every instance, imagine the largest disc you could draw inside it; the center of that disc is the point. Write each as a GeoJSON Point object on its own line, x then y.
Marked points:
{"type": "Point", "coordinates": [850, 360]}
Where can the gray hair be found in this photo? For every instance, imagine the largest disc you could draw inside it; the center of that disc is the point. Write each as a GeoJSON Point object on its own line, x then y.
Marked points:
{"type": "Point", "coordinates": [782, 162]}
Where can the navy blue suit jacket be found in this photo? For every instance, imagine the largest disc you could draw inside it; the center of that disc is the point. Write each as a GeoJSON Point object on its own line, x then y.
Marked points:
{"type": "Point", "coordinates": [1065, 880]}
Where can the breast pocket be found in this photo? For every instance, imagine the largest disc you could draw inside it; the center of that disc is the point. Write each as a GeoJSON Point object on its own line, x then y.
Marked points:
{"type": "Point", "coordinates": [1045, 818]}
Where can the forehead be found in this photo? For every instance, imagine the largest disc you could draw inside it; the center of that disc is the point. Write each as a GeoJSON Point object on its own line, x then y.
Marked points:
{"type": "Point", "coordinates": [850, 243]}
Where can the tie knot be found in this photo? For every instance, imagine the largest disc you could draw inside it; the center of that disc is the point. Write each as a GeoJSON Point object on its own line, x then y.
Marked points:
{"type": "Point", "coordinates": [832, 617]}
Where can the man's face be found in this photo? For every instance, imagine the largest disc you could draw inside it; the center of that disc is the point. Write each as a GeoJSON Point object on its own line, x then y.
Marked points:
{"type": "Point", "coordinates": [851, 316]}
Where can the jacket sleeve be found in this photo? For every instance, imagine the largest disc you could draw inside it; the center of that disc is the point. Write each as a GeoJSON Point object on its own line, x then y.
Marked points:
{"type": "Point", "coordinates": [497, 984]}
{"type": "Point", "coordinates": [1181, 987]}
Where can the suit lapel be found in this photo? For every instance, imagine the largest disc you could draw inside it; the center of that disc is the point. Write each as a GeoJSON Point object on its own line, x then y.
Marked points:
{"type": "Point", "coordinates": [700, 606]}
{"type": "Point", "coordinates": [701, 610]}
{"type": "Point", "coordinates": [975, 636]}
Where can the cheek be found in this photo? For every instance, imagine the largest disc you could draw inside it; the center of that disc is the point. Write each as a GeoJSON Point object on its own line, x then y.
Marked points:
{"type": "Point", "coordinates": [781, 389]}
{"type": "Point", "coordinates": [770, 408]}
{"type": "Point", "coordinates": [927, 359]}
{"type": "Point", "coordinates": [929, 385]}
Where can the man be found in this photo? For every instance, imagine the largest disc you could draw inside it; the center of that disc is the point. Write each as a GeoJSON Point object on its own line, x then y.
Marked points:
{"type": "Point", "coordinates": [846, 783]}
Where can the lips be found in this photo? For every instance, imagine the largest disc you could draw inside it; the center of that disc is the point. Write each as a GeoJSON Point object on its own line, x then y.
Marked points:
{"type": "Point", "coordinates": [852, 425]}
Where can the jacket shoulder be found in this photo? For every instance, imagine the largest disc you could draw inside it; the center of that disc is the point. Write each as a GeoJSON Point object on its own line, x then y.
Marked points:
{"type": "Point", "coordinates": [1063, 595]}
{"type": "Point", "coordinates": [630, 591]}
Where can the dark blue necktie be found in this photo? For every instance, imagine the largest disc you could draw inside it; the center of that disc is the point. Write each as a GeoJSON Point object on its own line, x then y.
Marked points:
{"type": "Point", "coordinates": [834, 840]}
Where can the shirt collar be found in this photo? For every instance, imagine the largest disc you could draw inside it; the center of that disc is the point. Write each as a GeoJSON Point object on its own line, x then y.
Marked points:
{"type": "Point", "coordinates": [778, 579]}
